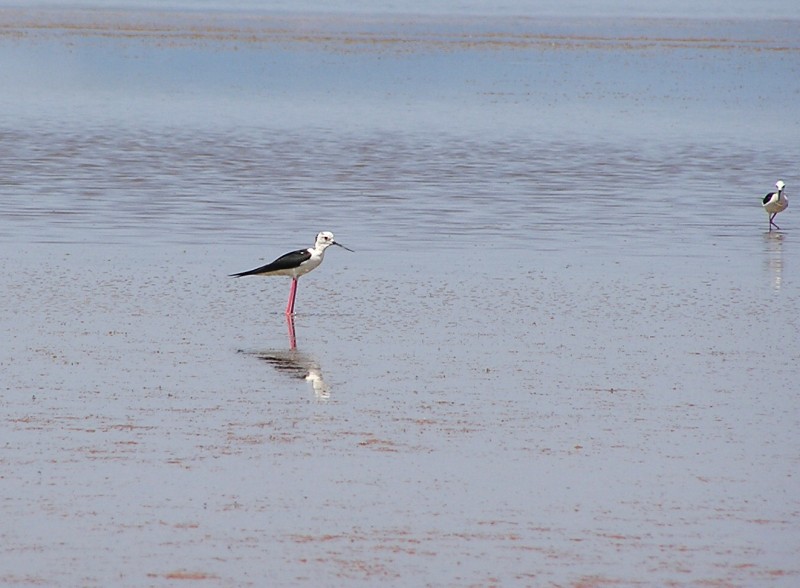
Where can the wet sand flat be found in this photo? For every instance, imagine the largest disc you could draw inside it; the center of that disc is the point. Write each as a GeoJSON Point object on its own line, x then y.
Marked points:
{"type": "Point", "coordinates": [595, 428]}
{"type": "Point", "coordinates": [544, 365]}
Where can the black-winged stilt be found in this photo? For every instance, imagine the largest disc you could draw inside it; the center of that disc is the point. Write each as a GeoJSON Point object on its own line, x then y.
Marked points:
{"type": "Point", "coordinates": [775, 202]}
{"type": "Point", "coordinates": [295, 264]}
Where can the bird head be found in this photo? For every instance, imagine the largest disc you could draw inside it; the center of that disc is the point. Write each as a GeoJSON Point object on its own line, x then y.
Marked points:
{"type": "Point", "coordinates": [780, 185]}
{"type": "Point", "coordinates": [325, 239]}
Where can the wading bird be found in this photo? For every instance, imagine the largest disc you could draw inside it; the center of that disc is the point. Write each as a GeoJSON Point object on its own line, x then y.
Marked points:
{"type": "Point", "coordinates": [775, 202]}
{"type": "Point", "coordinates": [295, 264]}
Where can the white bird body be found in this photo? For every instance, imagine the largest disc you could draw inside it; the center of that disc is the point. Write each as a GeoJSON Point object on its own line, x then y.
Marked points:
{"type": "Point", "coordinates": [775, 202]}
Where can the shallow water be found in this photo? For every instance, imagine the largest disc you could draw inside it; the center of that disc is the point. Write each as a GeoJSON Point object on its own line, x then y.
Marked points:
{"type": "Point", "coordinates": [563, 354]}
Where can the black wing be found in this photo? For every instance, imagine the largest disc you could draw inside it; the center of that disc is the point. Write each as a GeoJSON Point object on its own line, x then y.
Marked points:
{"type": "Point", "coordinates": [284, 262]}
{"type": "Point", "coordinates": [768, 197]}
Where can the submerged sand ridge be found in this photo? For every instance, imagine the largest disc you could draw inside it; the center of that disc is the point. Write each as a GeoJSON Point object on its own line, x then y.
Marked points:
{"type": "Point", "coordinates": [394, 33]}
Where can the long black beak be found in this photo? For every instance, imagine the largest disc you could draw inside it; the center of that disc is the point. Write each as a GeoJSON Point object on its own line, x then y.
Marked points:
{"type": "Point", "coordinates": [342, 246]}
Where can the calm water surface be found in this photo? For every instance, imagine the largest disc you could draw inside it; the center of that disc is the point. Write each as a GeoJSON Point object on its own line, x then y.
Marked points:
{"type": "Point", "coordinates": [595, 137]}
{"type": "Point", "coordinates": [563, 354]}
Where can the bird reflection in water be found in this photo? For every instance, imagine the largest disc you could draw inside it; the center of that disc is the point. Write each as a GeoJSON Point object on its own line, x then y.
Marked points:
{"type": "Point", "coordinates": [774, 249]}
{"type": "Point", "coordinates": [296, 364]}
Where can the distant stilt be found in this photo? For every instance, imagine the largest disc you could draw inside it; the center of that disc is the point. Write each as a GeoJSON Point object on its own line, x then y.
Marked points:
{"type": "Point", "coordinates": [775, 202]}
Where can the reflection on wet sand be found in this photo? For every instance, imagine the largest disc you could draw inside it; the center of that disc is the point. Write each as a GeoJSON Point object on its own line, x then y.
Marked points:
{"type": "Point", "coordinates": [774, 250]}
{"type": "Point", "coordinates": [296, 364]}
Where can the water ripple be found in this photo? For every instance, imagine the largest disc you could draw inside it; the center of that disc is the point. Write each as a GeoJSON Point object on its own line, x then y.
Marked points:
{"type": "Point", "coordinates": [115, 185]}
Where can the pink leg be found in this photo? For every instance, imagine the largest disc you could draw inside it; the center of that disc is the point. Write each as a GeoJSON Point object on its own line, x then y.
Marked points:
{"type": "Point", "coordinates": [290, 327]}
{"type": "Point", "coordinates": [292, 294]}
